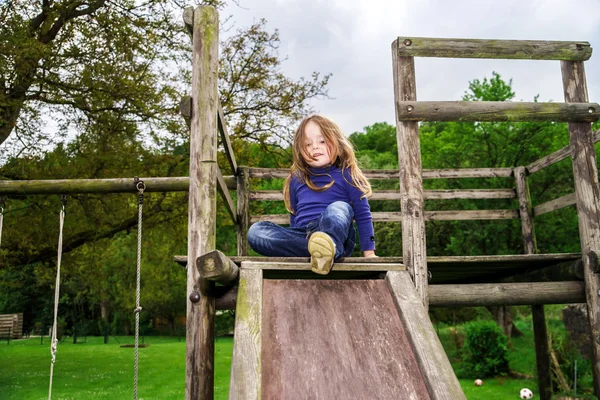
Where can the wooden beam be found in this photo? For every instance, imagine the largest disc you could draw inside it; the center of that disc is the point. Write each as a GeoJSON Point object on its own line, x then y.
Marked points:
{"type": "Point", "coordinates": [542, 350]}
{"type": "Point", "coordinates": [185, 107]}
{"type": "Point", "coordinates": [227, 300]}
{"type": "Point", "coordinates": [556, 204]}
{"type": "Point", "coordinates": [216, 266]}
{"type": "Point", "coordinates": [199, 375]}
{"type": "Point", "coordinates": [222, 187]}
{"type": "Point", "coordinates": [281, 173]}
{"type": "Point", "coordinates": [496, 111]}
{"type": "Point", "coordinates": [435, 367]}
{"type": "Point", "coordinates": [499, 49]}
{"type": "Point", "coordinates": [414, 250]}
{"type": "Point", "coordinates": [496, 294]}
{"type": "Point", "coordinates": [585, 171]}
{"type": "Point", "coordinates": [188, 19]}
{"type": "Point", "coordinates": [525, 211]}
{"type": "Point", "coordinates": [449, 215]}
{"type": "Point", "coordinates": [243, 211]}
{"type": "Point", "coordinates": [226, 142]}
{"type": "Point", "coordinates": [557, 156]}
{"type": "Point", "coordinates": [277, 195]}
{"type": "Point", "coordinates": [300, 266]}
{"type": "Point", "coordinates": [246, 377]}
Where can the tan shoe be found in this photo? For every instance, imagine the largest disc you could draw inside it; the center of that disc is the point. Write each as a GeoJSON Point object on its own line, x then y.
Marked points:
{"type": "Point", "coordinates": [322, 252]}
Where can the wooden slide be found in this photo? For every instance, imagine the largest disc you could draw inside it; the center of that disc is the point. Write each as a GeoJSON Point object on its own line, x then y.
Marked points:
{"type": "Point", "coordinates": [336, 339]}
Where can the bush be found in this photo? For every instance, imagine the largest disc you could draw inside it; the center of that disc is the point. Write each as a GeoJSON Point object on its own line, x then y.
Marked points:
{"type": "Point", "coordinates": [485, 351]}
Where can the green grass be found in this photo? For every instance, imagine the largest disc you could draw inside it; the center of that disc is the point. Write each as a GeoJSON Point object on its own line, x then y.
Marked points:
{"type": "Point", "coordinates": [94, 370]}
{"type": "Point", "coordinates": [99, 371]}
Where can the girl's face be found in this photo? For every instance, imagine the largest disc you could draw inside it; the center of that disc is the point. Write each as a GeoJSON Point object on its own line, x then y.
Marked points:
{"type": "Point", "coordinates": [316, 146]}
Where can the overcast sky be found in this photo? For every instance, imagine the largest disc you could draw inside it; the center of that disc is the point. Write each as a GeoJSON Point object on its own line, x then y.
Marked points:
{"type": "Point", "coordinates": [351, 39]}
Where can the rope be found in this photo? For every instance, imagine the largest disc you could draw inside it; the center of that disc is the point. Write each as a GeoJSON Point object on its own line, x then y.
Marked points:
{"type": "Point", "coordinates": [54, 343]}
{"type": "Point", "coordinates": [2, 204]}
{"type": "Point", "coordinates": [140, 186]}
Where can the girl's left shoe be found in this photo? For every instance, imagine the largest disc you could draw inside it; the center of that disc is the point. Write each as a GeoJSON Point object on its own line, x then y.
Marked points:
{"type": "Point", "coordinates": [322, 252]}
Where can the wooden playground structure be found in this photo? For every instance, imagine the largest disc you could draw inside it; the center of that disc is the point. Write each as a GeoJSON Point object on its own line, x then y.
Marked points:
{"type": "Point", "coordinates": [371, 337]}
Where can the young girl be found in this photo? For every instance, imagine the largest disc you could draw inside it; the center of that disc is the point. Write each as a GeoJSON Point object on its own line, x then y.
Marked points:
{"type": "Point", "coordinates": [324, 192]}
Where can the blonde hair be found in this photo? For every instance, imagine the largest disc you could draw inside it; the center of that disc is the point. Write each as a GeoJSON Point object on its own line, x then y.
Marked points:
{"type": "Point", "coordinates": [341, 153]}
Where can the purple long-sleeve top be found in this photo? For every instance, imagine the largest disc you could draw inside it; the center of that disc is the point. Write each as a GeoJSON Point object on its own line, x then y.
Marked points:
{"type": "Point", "coordinates": [309, 204]}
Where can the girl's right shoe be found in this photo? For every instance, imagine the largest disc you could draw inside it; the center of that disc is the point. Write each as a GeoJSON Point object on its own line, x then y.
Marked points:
{"type": "Point", "coordinates": [322, 252]}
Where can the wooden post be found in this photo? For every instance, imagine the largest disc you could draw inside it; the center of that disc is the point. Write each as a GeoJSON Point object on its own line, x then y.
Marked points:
{"type": "Point", "coordinates": [243, 210]}
{"type": "Point", "coordinates": [199, 372]}
{"type": "Point", "coordinates": [414, 251]}
{"type": "Point", "coordinates": [542, 352]}
{"type": "Point", "coordinates": [585, 173]}
{"type": "Point", "coordinates": [216, 266]}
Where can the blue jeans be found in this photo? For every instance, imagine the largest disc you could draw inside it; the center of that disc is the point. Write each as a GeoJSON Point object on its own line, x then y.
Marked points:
{"type": "Point", "coordinates": [272, 240]}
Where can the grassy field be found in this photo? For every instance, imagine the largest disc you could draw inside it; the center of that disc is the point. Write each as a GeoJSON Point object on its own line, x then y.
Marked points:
{"type": "Point", "coordinates": [99, 371]}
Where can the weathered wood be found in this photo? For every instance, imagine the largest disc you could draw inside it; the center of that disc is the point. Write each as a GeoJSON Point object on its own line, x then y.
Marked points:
{"type": "Point", "coordinates": [467, 173]}
{"type": "Point", "coordinates": [185, 107]}
{"type": "Point", "coordinates": [11, 326]}
{"type": "Point", "coordinates": [188, 19]}
{"type": "Point", "coordinates": [227, 300]}
{"type": "Point", "coordinates": [485, 48]}
{"type": "Point", "coordinates": [497, 294]}
{"type": "Point", "coordinates": [289, 266]}
{"type": "Point", "coordinates": [70, 186]}
{"type": "Point", "coordinates": [202, 202]}
{"type": "Point", "coordinates": [496, 111]}
{"type": "Point", "coordinates": [525, 210]}
{"type": "Point", "coordinates": [458, 215]}
{"type": "Point", "coordinates": [335, 339]}
{"type": "Point", "coordinates": [557, 156]}
{"type": "Point", "coordinates": [222, 187]}
{"type": "Point", "coordinates": [282, 173]}
{"type": "Point", "coordinates": [216, 266]}
{"type": "Point", "coordinates": [243, 211]}
{"type": "Point", "coordinates": [246, 366]}
{"type": "Point", "coordinates": [226, 142]}
{"type": "Point", "coordinates": [583, 157]}
{"type": "Point", "coordinates": [277, 195]}
{"type": "Point", "coordinates": [556, 204]}
{"type": "Point", "coordinates": [542, 351]}
{"type": "Point", "coordinates": [433, 362]}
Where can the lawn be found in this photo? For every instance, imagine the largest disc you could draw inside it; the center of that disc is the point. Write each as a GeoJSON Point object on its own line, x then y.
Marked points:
{"type": "Point", "coordinates": [99, 371]}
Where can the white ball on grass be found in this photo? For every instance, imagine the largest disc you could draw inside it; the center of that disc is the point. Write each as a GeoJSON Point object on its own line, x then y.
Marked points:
{"type": "Point", "coordinates": [526, 393]}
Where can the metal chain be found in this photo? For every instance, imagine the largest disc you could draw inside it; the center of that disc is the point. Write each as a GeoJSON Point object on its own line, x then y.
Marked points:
{"type": "Point", "coordinates": [140, 186]}
{"type": "Point", "coordinates": [54, 342]}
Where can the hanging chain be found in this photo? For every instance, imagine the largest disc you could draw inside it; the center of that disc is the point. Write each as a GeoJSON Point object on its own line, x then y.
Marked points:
{"type": "Point", "coordinates": [140, 186]}
{"type": "Point", "coordinates": [54, 342]}
{"type": "Point", "coordinates": [2, 205]}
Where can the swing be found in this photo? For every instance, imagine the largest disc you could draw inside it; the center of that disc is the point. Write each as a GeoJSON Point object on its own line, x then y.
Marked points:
{"type": "Point", "coordinates": [140, 186]}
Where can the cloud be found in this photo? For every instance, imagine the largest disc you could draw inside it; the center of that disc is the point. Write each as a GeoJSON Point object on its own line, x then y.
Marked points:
{"type": "Point", "coordinates": [352, 40]}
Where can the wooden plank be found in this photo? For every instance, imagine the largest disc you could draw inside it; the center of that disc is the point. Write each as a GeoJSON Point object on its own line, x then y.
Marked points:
{"type": "Point", "coordinates": [556, 204]}
{"type": "Point", "coordinates": [335, 339]}
{"type": "Point", "coordinates": [499, 294]}
{"type": "Point", "coordinates": [288, 266]}
{"type": "Point", "coordinates": [222, 188]}
{"type": "Point", "coordinates": [542, 350]}
{"type": "Point", "coordinates": [485, 48]}
{"type": "Point", "coordinates": [277, 195]}
{"type": "Point", "coordinates": [243, 211]}
{"type": "Point", "coordinates": [525, 211]}
{"type": "Point", "coordinates": [449, 215]}
{"type": "Point", "coordinates": [226, 142]}
{"type": "Point", "coordinates": [432, 360]}
{"type": "Point", "coordinates": [199, 377]}
{"type": "Point", "coordinates": [496, 111]}
{"type": "Point", "coordinates": [414, 250]}
{"type": "Point", "coordinates": [282, 173]}
{"type": "Point", "coordinates": [557, 156]}
{"type": "Point", "coordinates": [585, 171]}
{"type": "Point", "coordinates": [246, 367]}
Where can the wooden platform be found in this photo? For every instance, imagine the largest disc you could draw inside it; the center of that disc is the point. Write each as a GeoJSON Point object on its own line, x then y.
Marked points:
{"type": "Point", "coordinates": [336, 339]}
{"type": "Point", "coordinates": [452, 269]}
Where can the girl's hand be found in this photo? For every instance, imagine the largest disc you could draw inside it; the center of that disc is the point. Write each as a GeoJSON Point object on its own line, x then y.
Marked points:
{"type": "Point", "coordinates": [369, 253]}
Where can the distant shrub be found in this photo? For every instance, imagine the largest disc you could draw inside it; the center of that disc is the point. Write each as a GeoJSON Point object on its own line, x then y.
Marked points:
{"type": "Point", "coordinates": [485, 350]}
